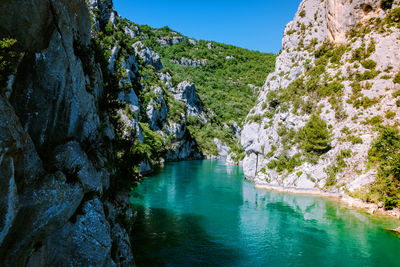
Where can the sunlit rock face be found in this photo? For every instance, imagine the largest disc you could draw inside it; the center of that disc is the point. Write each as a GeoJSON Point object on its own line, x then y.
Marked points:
{"type": "Point", "coordinates": [268, 135]}
{"type": "Point", "coordinates": [342, 15]}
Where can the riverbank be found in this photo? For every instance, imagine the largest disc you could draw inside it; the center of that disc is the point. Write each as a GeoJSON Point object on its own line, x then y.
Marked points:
{"type": "Point", "coordinates": [346, 200]}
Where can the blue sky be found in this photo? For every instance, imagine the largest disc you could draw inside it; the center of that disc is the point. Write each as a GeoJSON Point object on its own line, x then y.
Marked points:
{"type": "Point", "coordinates": [253, 24]}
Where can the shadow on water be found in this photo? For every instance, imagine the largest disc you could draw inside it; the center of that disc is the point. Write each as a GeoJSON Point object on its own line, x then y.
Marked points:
{"type": "Point", "coordinates": [185, 244]}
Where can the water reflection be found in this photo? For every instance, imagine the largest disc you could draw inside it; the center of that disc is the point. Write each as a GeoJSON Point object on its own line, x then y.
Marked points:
{"type": "Point", "coordinates": [204, 213]}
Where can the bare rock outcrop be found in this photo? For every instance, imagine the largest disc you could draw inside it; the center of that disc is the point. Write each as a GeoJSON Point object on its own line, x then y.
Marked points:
{"type": "Point", "coordinates": [148, 55]}
{"type": "Point", "coordinates": [351, 32]}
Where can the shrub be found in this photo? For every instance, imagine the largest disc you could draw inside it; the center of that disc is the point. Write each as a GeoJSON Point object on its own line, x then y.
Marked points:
{"type": "Point", "coordinates": [386, 4]}
{"type": "Point", "coordinates": [109, 28]}
{"type": "Point", "coordinates": [368, 64]}
{"type": "Point", "coordinates": [367, 102]}
{"type": "Point", "coordinates": [396, 94]}
{"type": "Point", "coordinates": [358, 54]}
{"type": "Point", "coordinates": [330, 89]}
{"type": "Point", "coordinates": [255, 118]}
{"type": "Point", "coordinates": [375, 120]}
{"type": "Point", "coordinates": [337, 54]}
{"type": "Point", "coordinates": [8, 59]}
{"type": "Point", "coordinates": [367, 75]}
{"type": "Point", "coordinates": [385, 153]}
{"type": "Point", "coordinates": [239, 153]}
{"type": "Point", "coordinates": [394, 16]}
{"type": "Point", "coordinates": [354, 139]}
{"type": "Point", "coordinates": [396, 78]}
{"type": "Point", "coordinates": [337, 167]}
{"type": "Point", "coordinates": [285, 163]}
{"type": "Point", "coordinates": [315, 136]}
{"type": "Point", "coordinates": [390, 114]}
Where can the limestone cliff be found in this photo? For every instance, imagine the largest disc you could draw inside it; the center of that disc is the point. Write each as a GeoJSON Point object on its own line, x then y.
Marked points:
{"type": "Point", "coordinates": [89, 102]}
{"type": "Point", "coordinates": [56, 208]}
{"type": "Point", "coordinates": [336, 72]}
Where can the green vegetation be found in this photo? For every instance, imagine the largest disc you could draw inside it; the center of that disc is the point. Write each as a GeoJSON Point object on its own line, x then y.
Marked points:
{"type": "Point", "coordinates": [285, 163]}
{"type": "Point", "coordinates": [396, 78]}
{"type": "Point", "coordinates": [337, 167]}
{"type": "Point", "coordinates": [227, 75]}
{"type": "Point", "coordinates": [8, 59]}
{"type": "Point", "coordinates": [304, 92]}
{"type": "Point", "coordinates": [239, 153]}
{"type": "Point", "coordinates": [386, 4]}
{"type": "Point", "coordinates": [368, 64]}
{"type": "Point", "coordinates": [315, 137]}
{"type": "Point", "coordinates": [374, 121]}
{"type": "Point", "coordinates": [390, 114]}
{"type": "Point", "coordinates": [385, 154]}
{"type": "Point", "coordinates": [394, 16]}
{"type": "Point", "coordinates": [354, 139]}
{"type": "Point", "coordinates": [220, 80]}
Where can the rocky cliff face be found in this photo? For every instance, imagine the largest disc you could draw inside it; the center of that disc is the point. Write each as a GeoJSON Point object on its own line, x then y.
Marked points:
{"type": "Point", "coordinates": [86, 107]}
{"type": "Point", "coordinates": [56, 207]}
{"type": "Point", "coordinates": [333, 92]}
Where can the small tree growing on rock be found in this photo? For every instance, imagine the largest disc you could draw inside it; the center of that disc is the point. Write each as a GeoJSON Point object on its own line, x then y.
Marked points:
{"type": "Point", "coordinates": [315, 137]}
{"type": "Point", "coordinates": [386, 4]}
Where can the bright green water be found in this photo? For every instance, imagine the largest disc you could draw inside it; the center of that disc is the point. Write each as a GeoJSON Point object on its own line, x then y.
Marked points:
{"type": "Point", "coordinates": [202, 213]}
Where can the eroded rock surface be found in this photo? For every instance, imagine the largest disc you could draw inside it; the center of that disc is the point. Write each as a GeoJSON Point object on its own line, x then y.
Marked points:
{"type": "Point", "coordinates": [269, 134]}
{"type": "Point", "coordinates": [52, 151]}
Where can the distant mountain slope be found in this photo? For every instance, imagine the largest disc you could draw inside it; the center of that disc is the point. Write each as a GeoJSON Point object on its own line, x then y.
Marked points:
{"type": "Point", "coordinates": [226, 78]}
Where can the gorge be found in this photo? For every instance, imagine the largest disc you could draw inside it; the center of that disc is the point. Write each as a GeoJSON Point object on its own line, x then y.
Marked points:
{"type": "Point", "coordinates": [91, 102]}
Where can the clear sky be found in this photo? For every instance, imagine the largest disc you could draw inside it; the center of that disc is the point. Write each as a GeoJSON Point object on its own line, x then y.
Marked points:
{"type": "Point", "coordinates": [253, 24]}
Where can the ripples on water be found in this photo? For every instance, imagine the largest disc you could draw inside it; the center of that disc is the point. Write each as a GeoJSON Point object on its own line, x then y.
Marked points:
{"type": "Point", "coordinates": [203, 213]}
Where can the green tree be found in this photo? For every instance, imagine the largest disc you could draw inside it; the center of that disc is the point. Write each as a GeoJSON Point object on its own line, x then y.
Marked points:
{"type": "Point", "coordinates": [385, 152]}
{"type": "Point", "coordinates": [315, 137]}
{"type": "Point", "coordinates": [386, 4]}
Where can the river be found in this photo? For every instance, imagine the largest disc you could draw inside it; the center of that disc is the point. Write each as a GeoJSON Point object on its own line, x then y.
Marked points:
{"type": "Point", "coordinates": [203, 213]}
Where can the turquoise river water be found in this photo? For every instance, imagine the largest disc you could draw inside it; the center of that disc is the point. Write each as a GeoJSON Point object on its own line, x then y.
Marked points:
{"type": "Point", "coordinates": [203, 213]}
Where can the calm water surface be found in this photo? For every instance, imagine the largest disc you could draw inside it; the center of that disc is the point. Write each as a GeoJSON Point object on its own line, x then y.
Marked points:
{"type": "Point", "coordinates": [202, 213]}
